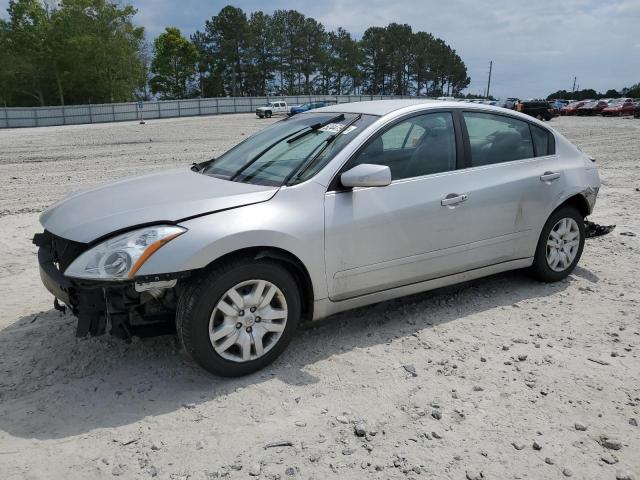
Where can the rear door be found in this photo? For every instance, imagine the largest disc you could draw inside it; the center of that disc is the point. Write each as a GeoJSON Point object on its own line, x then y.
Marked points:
{"type": "Point", "coordinates": [514, 180]}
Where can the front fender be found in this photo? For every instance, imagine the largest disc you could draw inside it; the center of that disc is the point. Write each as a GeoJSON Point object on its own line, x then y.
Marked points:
{"type": "Point", "coordinates": [292, 221]}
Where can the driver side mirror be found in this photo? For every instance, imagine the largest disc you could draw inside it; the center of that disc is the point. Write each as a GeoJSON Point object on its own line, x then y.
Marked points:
{"type": "Point", "coordinates": [366, 175]}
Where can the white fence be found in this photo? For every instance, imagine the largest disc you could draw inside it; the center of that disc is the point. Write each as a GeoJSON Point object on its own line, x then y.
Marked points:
{"type": "Point", "coordinates": [121, 112]}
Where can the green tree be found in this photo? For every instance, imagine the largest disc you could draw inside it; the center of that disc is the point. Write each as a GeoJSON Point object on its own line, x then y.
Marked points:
{"type": "Point", "coordinates": [633, 91]}
{"type": "Point", "coordinates": [422, 59]}
{"type": "Point", "coordinates": [227, 34]}
{"type": "Point", "coordinates": [98, 50]}
{"type": "Point", "coordinates": [398, 46]}
{"type": "Point", "coordinates": [72, 51]}
{"type": "Point", "coordinates": [375, 60]}
{"type": "Point", "coordinates": [29, 67]}
{"type": "Point", "coordinates": [259, 54]}
{"type": "Point", "coordinates": [312, 36]}
{"type": "Point", "coordinates": [174, 65]}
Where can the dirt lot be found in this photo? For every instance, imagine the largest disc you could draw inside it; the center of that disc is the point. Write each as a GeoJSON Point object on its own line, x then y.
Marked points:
{"type": "Point", "coordinates": [497, 379]}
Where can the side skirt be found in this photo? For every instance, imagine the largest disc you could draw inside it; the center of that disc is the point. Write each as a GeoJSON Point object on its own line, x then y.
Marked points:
{"type": "Point", "coordinates": [325, 307]}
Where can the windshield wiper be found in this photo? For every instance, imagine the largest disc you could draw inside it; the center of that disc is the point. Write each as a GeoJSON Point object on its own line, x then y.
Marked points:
{"type": "Point", "coordinates": [257, 157]}
{"type": "Point", "coordinates": [316, 126]}
{"type": "Point", "coordinates": [200, 167]}
{"type": "Point", "coordinates": [307, 162]}
{"type": "Point", "coordinates": [295, 136]}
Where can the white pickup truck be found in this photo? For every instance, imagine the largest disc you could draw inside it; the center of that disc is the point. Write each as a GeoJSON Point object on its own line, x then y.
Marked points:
{"type": "Point", "coordinates": [273, 108]}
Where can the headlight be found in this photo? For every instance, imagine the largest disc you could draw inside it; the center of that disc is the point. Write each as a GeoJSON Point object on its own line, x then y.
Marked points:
{"type": "Point", "coordinates": [120, 257]}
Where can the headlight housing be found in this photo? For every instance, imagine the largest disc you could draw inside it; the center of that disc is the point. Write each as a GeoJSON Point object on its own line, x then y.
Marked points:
{"type": "Point", "coordinates": [120, 257]}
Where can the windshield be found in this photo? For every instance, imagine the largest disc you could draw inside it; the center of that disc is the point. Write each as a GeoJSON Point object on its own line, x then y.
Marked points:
{"type": "Point", "coordinates": [291, 150]}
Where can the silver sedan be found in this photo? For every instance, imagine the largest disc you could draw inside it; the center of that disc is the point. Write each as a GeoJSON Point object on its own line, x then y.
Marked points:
{"type": "Point", "coordinates": [326, 211]}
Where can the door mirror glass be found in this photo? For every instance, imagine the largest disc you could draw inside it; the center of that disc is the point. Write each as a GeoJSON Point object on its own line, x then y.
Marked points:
{"type": "Point", "coordinates": [366, 175]}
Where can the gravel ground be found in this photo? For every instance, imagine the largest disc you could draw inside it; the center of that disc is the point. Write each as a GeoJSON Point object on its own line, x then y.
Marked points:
{"type": "Point", "coordinates": [496, 379]}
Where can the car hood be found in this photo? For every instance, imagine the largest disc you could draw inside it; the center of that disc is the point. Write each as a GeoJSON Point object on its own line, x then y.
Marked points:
{"type": "Point", "coordinates": [167, 196]}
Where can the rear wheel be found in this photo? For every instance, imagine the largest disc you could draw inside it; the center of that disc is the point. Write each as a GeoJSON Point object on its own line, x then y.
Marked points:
{"type": "Point", "coordinates": [239, 317]}
{"type": "Point", "coordinates": [560, 245]}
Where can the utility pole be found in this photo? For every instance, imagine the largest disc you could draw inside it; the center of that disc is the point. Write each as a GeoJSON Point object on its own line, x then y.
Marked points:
{"type": "Point", "coordinates": [574, 84]}
{"type": "Point", "coordinates": [489, 82]}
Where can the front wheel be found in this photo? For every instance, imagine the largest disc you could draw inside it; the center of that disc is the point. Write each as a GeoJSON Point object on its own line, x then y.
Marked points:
{"type": "Point", "coordinates": [267, 114]}
{"type": "Point", "coordinates": [560, 245]}
{"type": "Point", "coordinates": [239, 317]}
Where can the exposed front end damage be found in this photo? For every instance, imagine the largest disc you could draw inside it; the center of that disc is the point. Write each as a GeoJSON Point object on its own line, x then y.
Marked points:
{"type": "Point", "coordinates": [141, 307]}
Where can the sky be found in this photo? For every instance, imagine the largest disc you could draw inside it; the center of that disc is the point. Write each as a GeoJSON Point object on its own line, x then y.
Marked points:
{"type": "Point", "coordinates": [537, 46]}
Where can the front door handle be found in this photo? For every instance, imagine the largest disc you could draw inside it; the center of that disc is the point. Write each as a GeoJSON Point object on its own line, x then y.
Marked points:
{"type": "Point", "coordinates": [549, 177]}
{"type": "Point", "coordinates": [453, 199]}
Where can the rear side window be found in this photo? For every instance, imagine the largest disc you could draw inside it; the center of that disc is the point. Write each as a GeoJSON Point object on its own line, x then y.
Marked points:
{"type": "Point", "coordinates": [497, 138]}
{"type": "Point", "coordinates": [542, 140]}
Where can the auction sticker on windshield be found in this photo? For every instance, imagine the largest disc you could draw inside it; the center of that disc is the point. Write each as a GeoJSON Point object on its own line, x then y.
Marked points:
{"type": "Point", "coordinates": [336, 127]}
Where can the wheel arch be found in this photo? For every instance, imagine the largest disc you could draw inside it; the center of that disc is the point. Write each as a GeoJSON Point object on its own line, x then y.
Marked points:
{"type": "Point", "coordinates": [579, 201]}
{"type": "Point", "coordinates": [290, 261]}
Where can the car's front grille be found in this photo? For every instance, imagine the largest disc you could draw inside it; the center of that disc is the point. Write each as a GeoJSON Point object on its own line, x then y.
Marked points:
{"type": "Point", "coordinates": [63, 251]}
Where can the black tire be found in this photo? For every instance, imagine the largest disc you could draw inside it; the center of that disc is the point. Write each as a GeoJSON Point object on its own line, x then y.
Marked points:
{"type": "Point", "coordinates": [197, 302]}
{"type": "Point", "coordinates": [267, 114]}
{"type": "Point", "coordinates": [540, 268]}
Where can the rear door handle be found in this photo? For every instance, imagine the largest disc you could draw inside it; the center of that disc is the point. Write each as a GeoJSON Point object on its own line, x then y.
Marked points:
{"type": "Point", "coordinates": [453, 199]}
{"type": "Point", "coordinates": [549, 176]}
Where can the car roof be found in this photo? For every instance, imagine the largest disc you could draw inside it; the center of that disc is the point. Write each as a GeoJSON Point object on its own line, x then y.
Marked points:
{"type": "Point", "coordinates": [385, 107]}
{"type": "Point", "coordinates": [379, 107]}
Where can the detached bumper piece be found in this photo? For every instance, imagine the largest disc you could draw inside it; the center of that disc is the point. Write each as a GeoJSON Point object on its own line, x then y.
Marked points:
{"type": "Point", "coordinates": [595, 230]}
{"type": "Point", "coordinates": [102, 307]}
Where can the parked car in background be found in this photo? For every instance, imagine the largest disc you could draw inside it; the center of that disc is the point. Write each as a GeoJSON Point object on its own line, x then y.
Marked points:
{"type": "Point", "coordinates": [593, 108]}
{"type": "Point", "coordinates": [619, 107]}
{"type": "Point", "coordinates": [326, 211]}
{"type": "Point", "coordinates": [572, 108]}
{"type": "Point", "coordinates": [273, 108]}
{"type": "Point", "coordinates": [558, 104]}
{"type": "Point", "coordinates": [309, 106]}
{"type": "Point", "coordinates": [509, 103]}
{"type": "Point", "coordinates": [539, 109]}
{"type": "Point", "coordinates": [636, 111]}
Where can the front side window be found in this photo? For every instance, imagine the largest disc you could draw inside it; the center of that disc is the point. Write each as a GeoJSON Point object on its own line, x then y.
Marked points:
{"type": "Point", "coordinates": [291, 150]}
{"type": "Point", "coordinates": [420, 145]}
{"type": "Point", "coordinates": [497, 138]}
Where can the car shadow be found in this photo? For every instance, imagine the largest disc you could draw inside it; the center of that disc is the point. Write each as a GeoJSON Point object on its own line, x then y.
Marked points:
{"type": "Point", "coordinates": [105, 382]}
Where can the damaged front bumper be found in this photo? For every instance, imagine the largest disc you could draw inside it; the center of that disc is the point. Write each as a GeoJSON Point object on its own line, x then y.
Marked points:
{"type": "Point", "coordinates": [137, 307]}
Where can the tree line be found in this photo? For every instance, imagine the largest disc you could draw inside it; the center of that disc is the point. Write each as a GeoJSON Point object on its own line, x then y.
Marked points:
{"type": "Point", "coordinates": [589, 93]}
{"type": "Point", "coordinates": [91, 51]}
{"type": "Point", "coordinates": [288, 53]}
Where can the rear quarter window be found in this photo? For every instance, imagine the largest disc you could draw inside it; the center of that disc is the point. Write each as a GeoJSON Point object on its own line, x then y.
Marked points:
{"type": "Point", "coordinates": [543, 141]}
